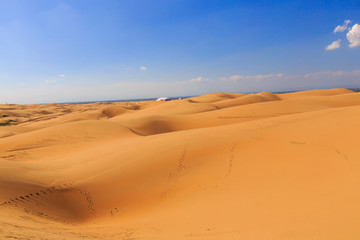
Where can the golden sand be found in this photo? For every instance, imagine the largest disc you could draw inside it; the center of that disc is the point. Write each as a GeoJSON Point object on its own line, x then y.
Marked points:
{"type": "Point", "coordinates": [219, 166]}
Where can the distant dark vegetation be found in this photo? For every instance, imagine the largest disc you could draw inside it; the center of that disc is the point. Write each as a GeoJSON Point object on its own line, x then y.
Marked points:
{"type": "Point", "coordinates": [355, 89]}
{"type": "Point", "coordinates": [6, 122]}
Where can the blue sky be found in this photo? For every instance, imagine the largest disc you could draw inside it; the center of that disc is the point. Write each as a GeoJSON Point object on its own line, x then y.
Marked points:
{"type": "Point", "coordinates": [86, 50]}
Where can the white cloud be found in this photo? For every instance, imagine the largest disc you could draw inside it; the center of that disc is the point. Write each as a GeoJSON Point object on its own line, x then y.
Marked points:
{"type": "Point", "coordinates": [233, 78]}
{"type": "Point", "coordinates": [199, 79]}
{"type": "Point", "coordinates": [342, 28]}
{"type": "Point", "coordinates": [329, 75]}
{"type": "Point", "coordinates": [251, 77]}
{"type": "Point", "coordinates": [334, 45]}
{"type": "Point", "coordinates": [62, 75]}
{"type": "Point", "coordinates": [353, 36]}
{"type": "Point", "coordinates": [142, 68]}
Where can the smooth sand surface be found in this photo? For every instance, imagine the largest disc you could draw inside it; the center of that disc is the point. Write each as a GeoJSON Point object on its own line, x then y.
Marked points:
{"type": "Point", "coordinates": [219, 166]}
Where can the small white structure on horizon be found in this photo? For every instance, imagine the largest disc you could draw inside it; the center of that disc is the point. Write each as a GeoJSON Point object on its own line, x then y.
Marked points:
{"type": "Point", "coordinates": [162, 99]}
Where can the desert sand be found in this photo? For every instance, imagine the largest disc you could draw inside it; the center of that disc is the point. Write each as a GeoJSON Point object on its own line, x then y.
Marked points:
{"type": "Point", "coordinates": [219, 166]}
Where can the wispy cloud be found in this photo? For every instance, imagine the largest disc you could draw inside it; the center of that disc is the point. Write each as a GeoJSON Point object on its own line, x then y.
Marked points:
{"type": "Point", "coordinates": [142, 68]}
{"type": "Point", "coordinates": [251, 77]}
{"type": "Point", "coordinates": [61, 75]}
{"type": "Point", "coordinates": [132, 89]}
{"type": "Point", "coordinates": [342, 28]}
{"type": "Point", "coordinates": [282, 82]}
{"type": "Point", "coordinates": [334, 45]}
{"type": "Point", "coordinates": [334, 75]}
{"type": "Point", "coordinates": [199, 79]}
{"type": "Point", "coordinates": [353, 36]}
{"type": "Point", "coordinates": [49, 81]}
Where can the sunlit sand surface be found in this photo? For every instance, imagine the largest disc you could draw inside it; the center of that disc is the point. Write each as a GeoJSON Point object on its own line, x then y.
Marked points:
{"type": "Point", "coordinates": [219, 166]}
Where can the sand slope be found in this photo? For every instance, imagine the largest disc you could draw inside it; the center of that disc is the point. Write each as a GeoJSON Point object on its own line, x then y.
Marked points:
{"type": "Point", "coordinates": [218, 166]}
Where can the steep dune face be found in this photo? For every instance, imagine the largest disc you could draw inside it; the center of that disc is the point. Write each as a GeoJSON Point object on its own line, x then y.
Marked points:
{"type": "Point", "coordinates": [113, 111]}
{"type": "Point", "coordinates": [219, 166]}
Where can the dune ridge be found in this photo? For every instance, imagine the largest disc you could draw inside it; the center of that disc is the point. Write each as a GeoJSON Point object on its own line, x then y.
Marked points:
{"type": "Point", "coordinates": [217, 166]}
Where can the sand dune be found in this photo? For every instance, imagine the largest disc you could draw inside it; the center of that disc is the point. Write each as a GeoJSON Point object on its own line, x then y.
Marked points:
{"type": "Point", "coordinates": [218, 166]}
